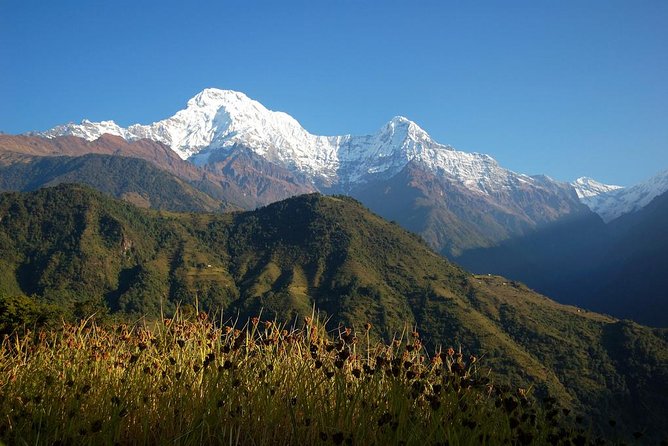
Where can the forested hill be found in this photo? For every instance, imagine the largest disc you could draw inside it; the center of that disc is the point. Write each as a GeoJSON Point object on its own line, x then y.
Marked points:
{"type": "Point", "coordinates": [71, 251]}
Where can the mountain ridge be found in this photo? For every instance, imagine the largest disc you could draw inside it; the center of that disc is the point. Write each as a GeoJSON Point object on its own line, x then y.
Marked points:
{"type": "Point", "coordinates": [216, 119]}
{"type": "Point", "coordinates": [267, 156]}
{"type": "Point", "coordinates": [132, 179]}
{"type": "Point", "coordinates": [611, 202]}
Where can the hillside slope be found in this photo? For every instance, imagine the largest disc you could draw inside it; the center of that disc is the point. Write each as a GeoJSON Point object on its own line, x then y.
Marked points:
{"type": "Point", "coordinates": [134, 180]}
{"type": "Point", "coordinates": [620, 268]}
{"type": "Point", "coordinates": [219, 186]}
{"type": "Point", "coordinates": [331, 253]}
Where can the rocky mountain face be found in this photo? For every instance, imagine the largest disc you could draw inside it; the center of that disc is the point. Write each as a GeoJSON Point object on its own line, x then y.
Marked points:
{"type": "Point", "coordinates": [268, 156]}
{"type": "Point", "coordinates": [234, 187]}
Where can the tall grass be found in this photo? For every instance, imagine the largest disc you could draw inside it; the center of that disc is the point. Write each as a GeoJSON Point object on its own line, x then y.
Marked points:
{"type": "Point", "coordinates": [195, 382]}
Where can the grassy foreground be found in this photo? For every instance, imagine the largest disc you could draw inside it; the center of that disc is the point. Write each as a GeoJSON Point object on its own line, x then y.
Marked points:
{"type": "Point", "coordinates": [197, 382]}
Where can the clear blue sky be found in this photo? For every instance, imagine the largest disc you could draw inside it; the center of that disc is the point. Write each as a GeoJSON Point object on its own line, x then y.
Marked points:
{"type": "Point", "coordinates": [556, 87]}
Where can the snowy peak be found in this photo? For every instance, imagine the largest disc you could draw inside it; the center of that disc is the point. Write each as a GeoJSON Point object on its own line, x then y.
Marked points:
{"type": "Point", "coordinates": [402, 129]}
{"type": "Point", "coordinates": [587, 187]}
{"type": "Point", "coordinates": [615, 202]}
{"type": "Point", "coordinates": [215, 120]}
{"type": "Point", "coordinates": [87, 130]}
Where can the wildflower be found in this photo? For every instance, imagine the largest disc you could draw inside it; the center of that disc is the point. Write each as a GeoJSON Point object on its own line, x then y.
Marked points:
{"type": "Point", "coordinates": [459, 369]}
{"type": "Point", "coordinates": [451, 352]}
{"type": "Point", "coordinates": [255, 320]}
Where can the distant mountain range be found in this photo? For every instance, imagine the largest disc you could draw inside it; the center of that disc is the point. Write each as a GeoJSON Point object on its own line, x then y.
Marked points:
{"type": "Point", "coordinates": [619, 268]}
{"type": "Point", "coordinates": [465, 205]}
{"type": "Point", "coordinates": [217, 125]}
{"type": "Point", "coordinates": [226, 133]}
{"type": "Point", "coordinates": [74, 251]}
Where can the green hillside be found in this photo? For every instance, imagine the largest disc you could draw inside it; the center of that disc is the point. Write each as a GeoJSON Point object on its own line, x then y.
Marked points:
{"type": "Point", "coordinates": [78, 252]}
{"type": "Point", "coordinates": [132, 179]}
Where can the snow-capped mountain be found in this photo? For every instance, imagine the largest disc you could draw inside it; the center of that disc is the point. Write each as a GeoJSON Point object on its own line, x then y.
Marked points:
{"type": "Point", "coordinates": [611, 202]}
{"type": "Point", "coordinates": [456, 200]}
{"type": "Point", "coordinates": [588, 188]}
{"type": "Point", "coordinates": [217, 120]}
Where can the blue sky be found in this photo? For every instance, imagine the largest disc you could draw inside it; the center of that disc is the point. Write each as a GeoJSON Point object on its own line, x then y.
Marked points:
{"type": "Point", "coordinates": [561, 88]}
